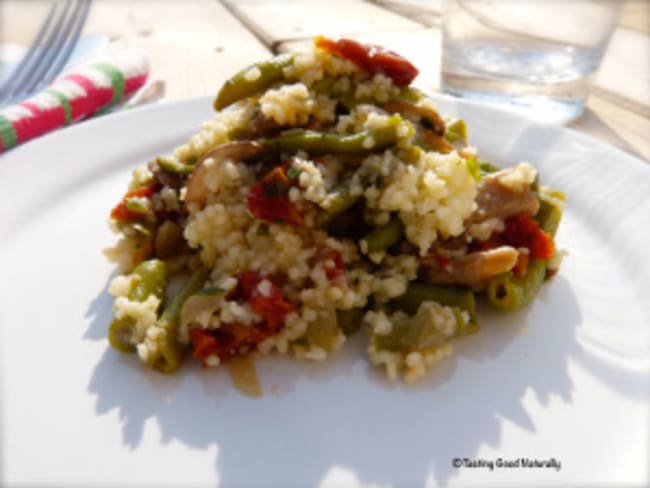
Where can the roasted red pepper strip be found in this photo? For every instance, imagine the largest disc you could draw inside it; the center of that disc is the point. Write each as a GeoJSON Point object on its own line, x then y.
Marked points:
{"type": "Point", "coordinates": [333, 264]}
{"type": "Point", "coordinates": [371, 58]}
{"type": "Point", "coordinates": [120, 212]}
{"type": "Point", "coordinates": [268, 199]}
{"type": "Point", "coordinates": [522, 231]}
{"type": "Point", "coordinates": [234, 339]}
{"type": "Point", "coordinates": [271, 306]}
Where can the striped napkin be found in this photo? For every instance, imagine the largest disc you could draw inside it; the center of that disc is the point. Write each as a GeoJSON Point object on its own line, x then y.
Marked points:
{"type": "Point", "coordinates": [80, 93]}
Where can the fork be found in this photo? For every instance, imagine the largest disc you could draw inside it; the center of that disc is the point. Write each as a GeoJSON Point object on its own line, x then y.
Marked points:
{"type": "Point", "coordinates": [51, 49]}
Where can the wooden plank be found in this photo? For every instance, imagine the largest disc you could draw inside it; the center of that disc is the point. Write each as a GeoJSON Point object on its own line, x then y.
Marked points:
{"type": "Point", "coordinates": [193, 45]}
{"type": "Point", "coordinates": [625, 69]}
{"type": "Point", "coordinates": [275, 22]}
{"type": "Point", "coordinates": [636, 16]}
{"type": "Point", "coordinates": [611, 123]}
{"type": "Point", "coordinates": [425, 12]}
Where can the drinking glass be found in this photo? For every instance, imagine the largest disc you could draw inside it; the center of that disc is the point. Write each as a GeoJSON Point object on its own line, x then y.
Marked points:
{"type": "Point", "coordinates": [539, 57]}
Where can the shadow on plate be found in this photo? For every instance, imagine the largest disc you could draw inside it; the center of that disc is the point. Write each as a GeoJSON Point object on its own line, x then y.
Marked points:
{"type": "Point", "coordinates": [343, 414]}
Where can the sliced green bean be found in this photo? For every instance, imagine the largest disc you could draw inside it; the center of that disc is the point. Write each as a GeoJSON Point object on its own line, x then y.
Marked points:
{"type": "Point", "coordinates": [327, 143]}
{"type": "Point", "coordinates": [350, 320]}
{"type": "Point", "coordinates": [474, 168]}
{"type": "Point", "coordinates": [151, 279]}
{"type": "Point", "coordinates": [419, 332]}
{"type": "Point", "coordinates": [169, 240]}
{"type": "Point", "coordinates": [120, 333]}
{"type": "Point", "coordinates": [507, 292]}
{"type": "Point", "coordinates": [173, 166]}
{"type": "Point", "coordinates": [324, 330]}
{"type": "Point", "coordinates": [550, 210]}
{"type": "Point", "coordinates": [169, 347]}
{"type": "Point", "coordinates": [451, 296]}
{"type": "Point", "coordinates": [339, 199]}
{"type": "Point", "coordinates": [456, 132]}
{"type": "Point", "coordinates": [486, 167]}
{"type": "Point", "coordinates": [249, 81]}
{"type": "Point", "coordinates": [384, 236]}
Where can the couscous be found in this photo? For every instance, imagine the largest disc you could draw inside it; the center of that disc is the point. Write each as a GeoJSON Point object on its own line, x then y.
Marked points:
{"type": "Point", "coordinates": [326, 197]}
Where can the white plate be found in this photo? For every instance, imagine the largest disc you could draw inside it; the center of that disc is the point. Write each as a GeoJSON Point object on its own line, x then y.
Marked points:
{"type": "Point", "coordinates": [567, 378]}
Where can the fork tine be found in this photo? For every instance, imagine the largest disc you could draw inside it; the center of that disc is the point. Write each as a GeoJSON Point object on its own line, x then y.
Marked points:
{"type": "Point", "coordinates": [43, 50]}
{"type": "Point", "coordinates": [48, 54]}
{"type": "Point", "coordinates": [28, 58]}
{"type": "Point", "coordinates": [72, 34]}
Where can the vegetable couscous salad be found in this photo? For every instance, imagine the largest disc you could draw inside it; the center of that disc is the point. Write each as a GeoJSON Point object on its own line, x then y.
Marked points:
{"type": "Point", "coordinates": [327, 197]}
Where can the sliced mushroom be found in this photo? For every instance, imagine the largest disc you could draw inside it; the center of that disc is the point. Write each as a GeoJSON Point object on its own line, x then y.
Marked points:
{"type": "Point", "coordinates": [197, 192]}
{"type": "Point", "coordinates": [495, 200]}
{"type": "Point", "coordinates": [473, 269]}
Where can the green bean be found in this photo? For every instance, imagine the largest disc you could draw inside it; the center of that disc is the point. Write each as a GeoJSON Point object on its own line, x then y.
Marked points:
{"type": "Point", "coordinates": [550, 210]}
{"type": "Point", "coordinates": [244, 84]}
{"type": "Point", "coordinates": [507, 292]}
{"type": "Point", "coordinates": [419, 331]}
{"type": "Point", "coordinates": [173, 166]}
{"type": "Point", "coordinates": [350, 320]}
{"type": "Point", "coordinates": [151, 279]}
{"type": "Point", "coordinates": [384, 236]}
{"type": "Point", "coordinates": [169, 240]}
{"type": "Point", "coordinates": [339, 199]}
{"type": "Point", "coordinates": [327, 143]}
{"type": "Point", "coordinates": [473, 167]}
{"type": "Point", "coordinates": [456, 131]}
{"type": "Point", "coordinates": [120, 333]}
{"type": "Point", "coordinates": [451, 296]}
{"type": "Point", "coordinates": [324, 330]}
{"type": "Point", "coordinates": [170, 349]}
{"type": "Point", "coordinates": [486, 167]}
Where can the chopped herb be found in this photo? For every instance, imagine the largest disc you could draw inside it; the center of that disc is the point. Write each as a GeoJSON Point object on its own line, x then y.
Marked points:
{"type": "Point", "coordinates": [487, 168]}
{"type": "Point", "coordinates": [209, 291]}
{"type": "Point", "coordinates": [293, 172]}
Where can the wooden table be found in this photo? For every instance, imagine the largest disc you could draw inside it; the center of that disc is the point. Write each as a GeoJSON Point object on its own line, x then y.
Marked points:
{"type": "Point", "coordinates": [195, 44]}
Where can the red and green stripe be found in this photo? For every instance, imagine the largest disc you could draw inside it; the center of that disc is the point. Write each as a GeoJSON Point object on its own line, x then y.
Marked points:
{"type": "Point", "coordinates": [117, 80]}
{"type": "Point", "coordinates": [8, 136]}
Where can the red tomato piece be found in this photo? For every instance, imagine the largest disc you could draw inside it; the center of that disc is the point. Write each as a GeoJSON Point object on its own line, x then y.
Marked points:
{"type": "Point", "coordinates": [204, 343]}
{"type": "Point", "coordinates": [333, 264]}
{"type": "Point", "coordinates": [522, 231]}
{"type": "Point", "coordinates": [273, 308]}
{"type": "Point", "coordinates": [233, 339]}
{"type": "Point", "coordinates": [121, 212]}
{"type": "Point", "coordinates": [273, 208]}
